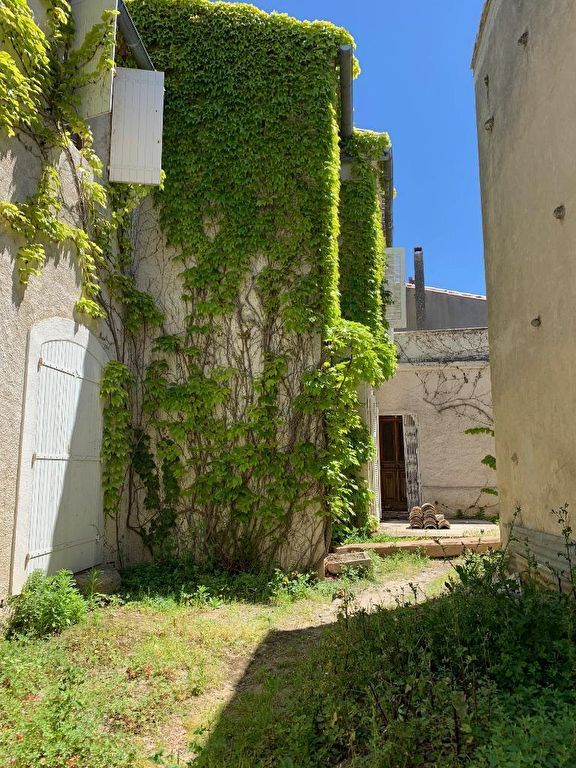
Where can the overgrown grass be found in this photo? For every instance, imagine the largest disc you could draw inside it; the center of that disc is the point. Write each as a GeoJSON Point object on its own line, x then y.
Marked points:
{"type": "Point", "coordinates": [105, 693]}
{"type": "Point", "coordinates": [483, 676]}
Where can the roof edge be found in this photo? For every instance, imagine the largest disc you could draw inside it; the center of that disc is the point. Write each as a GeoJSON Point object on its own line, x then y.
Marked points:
{"type": "Point", "coordinates": [479, 296]}
{"type": "Point", "coordinates": [479, 36]}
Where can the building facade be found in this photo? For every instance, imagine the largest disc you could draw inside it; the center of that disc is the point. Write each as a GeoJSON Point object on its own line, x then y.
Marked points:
{"type": "Point", "coordinates": [526, 120]}
{"type": "Point", "coordinates": [441, 389]}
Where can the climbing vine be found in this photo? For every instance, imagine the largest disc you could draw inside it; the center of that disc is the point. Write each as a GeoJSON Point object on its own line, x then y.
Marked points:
{"type": "Point", "coordinates": [362, 255]}
{"type": "Point", "coordinates": [232, 426]}
{"type": "Point", "coordinates": [41, 74]}
{"type": "Point", "coordinates": [362, 266]}
{"type": "Point", "coordinates": [256, 391]}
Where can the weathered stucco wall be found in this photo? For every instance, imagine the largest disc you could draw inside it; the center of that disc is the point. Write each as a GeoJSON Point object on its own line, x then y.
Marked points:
{"type": "Point", "coordinates": [51, 295]}
{"type": "Point", "coordinates": [443, 380]}
{"type": "Point", "coordinates": [526, 115]}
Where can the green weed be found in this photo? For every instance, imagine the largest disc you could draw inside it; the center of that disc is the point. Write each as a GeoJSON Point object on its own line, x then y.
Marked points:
{"type": "Point", "coordinates": [47, 604]}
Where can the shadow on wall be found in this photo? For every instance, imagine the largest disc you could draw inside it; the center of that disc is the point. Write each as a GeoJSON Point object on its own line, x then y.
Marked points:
{"type": "Point", "coordinates": [59, 512]}
{"type": "Point", "coordinates": [20, 171]}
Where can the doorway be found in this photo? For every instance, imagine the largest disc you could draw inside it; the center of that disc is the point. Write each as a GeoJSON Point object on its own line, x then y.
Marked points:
{"type": "Point", "coordinates": [392, 465]}
{"type": "Point", "coordinates": [59, 514]}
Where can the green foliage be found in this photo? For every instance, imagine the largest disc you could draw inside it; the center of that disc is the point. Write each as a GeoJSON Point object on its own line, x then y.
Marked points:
{"type": "Point", "coordinates": [362, 267]}
{"type": "Point", "coordinates": [362, 258]}
{"type": "Point", "coordinates": [182, 580]}
{"type": "Point", "coordinates": [116, 438]}
{"type": "Point", "coordinates": [447, 682]}
{"type": "Point", "coordinates": [47, 604]}
{"type": "Point", "coordinates": [252, 403]}
{"type": "Point", "coordinates": [479, 431]}
{"type": "Point", "coordinates": [488, 460]}
{"type": "Point", "coordinates": [40, 77]}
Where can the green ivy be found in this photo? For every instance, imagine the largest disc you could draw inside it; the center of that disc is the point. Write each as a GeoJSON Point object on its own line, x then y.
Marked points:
{"type": "Point", "coordinates": [362, 255]}
{"type": "Point", "coordinates": [117, 436]}
{"type": "Point", "coordinates": [362, 268]}
{"type": "Point", "coordinates": [40, 78]}
{"type": "Point", "coordinates": [251, 198]}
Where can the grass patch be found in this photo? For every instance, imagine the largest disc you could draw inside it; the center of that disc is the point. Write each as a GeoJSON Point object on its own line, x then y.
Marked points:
{"type": "Point", "coordinates": [483, 677]}
{"type": "Point", "coordinates": [108, 692]}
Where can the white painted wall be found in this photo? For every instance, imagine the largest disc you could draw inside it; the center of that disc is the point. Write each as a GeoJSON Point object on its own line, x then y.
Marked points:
{"type": "Point", "coordinates": [443, 381]}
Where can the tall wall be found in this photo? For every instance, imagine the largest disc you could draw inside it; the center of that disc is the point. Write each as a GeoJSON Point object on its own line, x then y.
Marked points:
{"type": "Point", "coordinates": [443, 381]}
{"type": "Point", "coordinates": [53, 294]}
{"type": "Point", "coordinates": [526, 118]}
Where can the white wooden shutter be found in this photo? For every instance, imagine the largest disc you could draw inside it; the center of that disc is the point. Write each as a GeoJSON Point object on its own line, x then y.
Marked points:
{"type": "Point", "coordinates": [60, 521]}
{"type": "Point", "coordinates": [136, 140]}
{"type": "Point", "coordinates": [96, 98]}
{"type": "Point", "coordinates": [413, 486]}
{"type": "Point", "coordinates": [396, 284]}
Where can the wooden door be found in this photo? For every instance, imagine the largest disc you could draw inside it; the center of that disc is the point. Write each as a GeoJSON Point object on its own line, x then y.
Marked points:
{"type": "Point", "coordinates": [392, 465]}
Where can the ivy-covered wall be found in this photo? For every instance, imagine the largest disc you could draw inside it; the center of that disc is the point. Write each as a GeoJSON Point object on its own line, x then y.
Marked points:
{"type": "Point", "coordinates": [249, 418]}
{"type": "Point", "coordinates": [362, 267]}
{"type": "Point", "coordinates": [362, 244]}
{"type": "Point", "coordinates": [232, 425]}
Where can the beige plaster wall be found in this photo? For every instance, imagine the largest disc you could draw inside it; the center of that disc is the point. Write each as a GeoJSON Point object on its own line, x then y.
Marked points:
{"type": "Point", "coordinates": [526, 114]}
{"type": "Point", "coordinates": [443, 381]}
{"type": "Point", "coordinates": [236, 342]}
{"type": "Point", "coordinates": [51, 295]}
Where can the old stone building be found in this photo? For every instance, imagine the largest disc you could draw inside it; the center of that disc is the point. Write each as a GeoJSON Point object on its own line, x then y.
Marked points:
{"type": "Point", "coordinates": [440, 390]}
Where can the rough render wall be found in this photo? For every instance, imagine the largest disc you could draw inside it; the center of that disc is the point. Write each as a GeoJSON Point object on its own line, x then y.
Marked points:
{"type": "Point", "coordinates": [51, 295]}
{"type": "Point", "coordinates": [528, 168]}
{"type": "Point", "coordinates": [157, 271]}
{"type": "Point", "coordinates": [447, 391]}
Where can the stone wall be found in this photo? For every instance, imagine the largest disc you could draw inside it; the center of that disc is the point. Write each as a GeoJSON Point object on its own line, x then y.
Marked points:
{"type": "Point", "coordinates": [526, 118]}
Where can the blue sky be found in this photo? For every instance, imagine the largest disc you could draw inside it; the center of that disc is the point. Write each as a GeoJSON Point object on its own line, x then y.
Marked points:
{"type": "Point", "coordinates": [416, 84]}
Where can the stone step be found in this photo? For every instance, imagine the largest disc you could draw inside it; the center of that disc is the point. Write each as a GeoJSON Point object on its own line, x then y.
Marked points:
{"type": "Point", "coordinates": [448, 547]}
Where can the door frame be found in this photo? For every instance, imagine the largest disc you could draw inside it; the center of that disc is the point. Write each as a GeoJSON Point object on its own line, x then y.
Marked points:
{"type": "Point", "coordinates": [403, 414]}
{"type": "Point", "coordinates": [53, 329]}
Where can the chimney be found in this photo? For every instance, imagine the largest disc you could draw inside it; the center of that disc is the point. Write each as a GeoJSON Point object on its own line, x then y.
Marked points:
{"type": "Point", "coordinates": [420, 293]}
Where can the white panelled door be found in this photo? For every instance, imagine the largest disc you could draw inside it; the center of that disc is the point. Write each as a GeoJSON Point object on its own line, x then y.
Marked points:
{"type": "Point", "coordinates": [60, 520]}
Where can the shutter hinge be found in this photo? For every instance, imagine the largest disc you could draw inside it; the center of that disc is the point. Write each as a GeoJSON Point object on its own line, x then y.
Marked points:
{"type": "Point", "coordinates": [40, 363]}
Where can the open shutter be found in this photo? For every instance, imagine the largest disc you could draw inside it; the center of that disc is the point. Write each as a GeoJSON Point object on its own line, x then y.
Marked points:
{"type": "Point", "coordinates": [396, 285]}
{"type": "Point", "coordinates": [136, 140]}
{"type": "Point", "coordinates": [413, 487]}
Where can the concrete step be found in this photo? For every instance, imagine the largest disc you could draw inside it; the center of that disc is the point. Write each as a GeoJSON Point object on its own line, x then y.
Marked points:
{"type": "Point", "coordinates": [448, 547]}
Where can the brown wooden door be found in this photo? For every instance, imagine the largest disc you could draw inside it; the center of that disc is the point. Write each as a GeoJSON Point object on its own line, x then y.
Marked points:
{"type": "Point", "coordinates": [392, 466]}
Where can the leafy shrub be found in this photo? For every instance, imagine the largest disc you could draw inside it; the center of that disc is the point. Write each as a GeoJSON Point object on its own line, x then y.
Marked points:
{"type": "Point", "coordinates": [288, 587]}
{"type": "Point", "coordinates": [473, 678]}
{"type": "Point", "coordinates": [46, 605]}
{"type": "Point", "coordinates": [538, 731]}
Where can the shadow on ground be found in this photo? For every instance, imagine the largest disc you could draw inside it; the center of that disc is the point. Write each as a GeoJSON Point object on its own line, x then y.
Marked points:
{"type": "Point", "coordinates": [266, 707]}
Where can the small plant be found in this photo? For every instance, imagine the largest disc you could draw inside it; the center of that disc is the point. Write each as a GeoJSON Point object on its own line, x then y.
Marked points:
{"type": "Point", "coordinates": [288, 587]}
{"type": "Point", "coordinates": [46, 605]}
